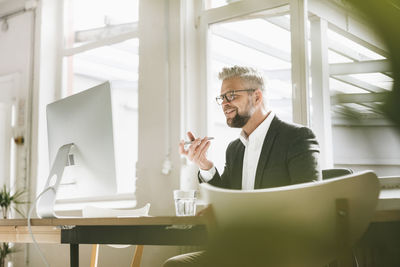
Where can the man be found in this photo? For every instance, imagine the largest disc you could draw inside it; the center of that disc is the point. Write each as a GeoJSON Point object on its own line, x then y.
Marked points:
{"type": "Point", "coordinates": [268, 153]}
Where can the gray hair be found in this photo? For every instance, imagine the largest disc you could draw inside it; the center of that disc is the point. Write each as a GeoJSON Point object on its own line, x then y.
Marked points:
{"type": "Point", "coordinates": [247, 74]}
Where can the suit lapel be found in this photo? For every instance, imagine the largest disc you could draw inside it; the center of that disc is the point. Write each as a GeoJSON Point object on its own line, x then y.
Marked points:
{"type": "Point", "coordinates": [266, 151]}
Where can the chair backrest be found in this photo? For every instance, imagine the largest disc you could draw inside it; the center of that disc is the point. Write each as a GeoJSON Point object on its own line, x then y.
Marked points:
{"type": "Point", "coordinates": [298, 225]}
{"type": "Point", "coordinates": [336, 172]}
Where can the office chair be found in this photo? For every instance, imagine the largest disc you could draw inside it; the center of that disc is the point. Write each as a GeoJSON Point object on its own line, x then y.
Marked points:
{"type": "Point", "coordinates": [307, 224]}
{"type": "Point", "coordinates": [336, 172]}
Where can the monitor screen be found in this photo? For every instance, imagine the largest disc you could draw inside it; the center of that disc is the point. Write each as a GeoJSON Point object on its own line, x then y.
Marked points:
{"type": "Point", "coordinates": [85, 119]}
{"type": "Point", "coordinates": [88, 169]}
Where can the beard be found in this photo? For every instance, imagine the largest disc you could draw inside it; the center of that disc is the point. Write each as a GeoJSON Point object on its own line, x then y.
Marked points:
{"type": "Point", "coordinates": [242, 118]}
{"type": "Point", "coordinates": [239, 120]}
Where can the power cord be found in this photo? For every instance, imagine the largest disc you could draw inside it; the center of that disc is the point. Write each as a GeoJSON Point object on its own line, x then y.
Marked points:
{"type": "Point", "coordinates": [36, 245]}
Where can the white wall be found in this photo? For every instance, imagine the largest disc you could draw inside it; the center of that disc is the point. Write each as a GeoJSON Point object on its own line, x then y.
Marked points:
{"type": "Point", "coordinates": [16, 50]}
{"type": "Point", "coordinates": [159, 95]}
{"type": "Point", "coordinates": [16, 54]}
{"type": "Point", "coordinates": [367, 148]}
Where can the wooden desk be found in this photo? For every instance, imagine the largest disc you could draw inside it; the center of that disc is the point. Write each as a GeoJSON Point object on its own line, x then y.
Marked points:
{"type": "Point", "coordinates": [135, 231]}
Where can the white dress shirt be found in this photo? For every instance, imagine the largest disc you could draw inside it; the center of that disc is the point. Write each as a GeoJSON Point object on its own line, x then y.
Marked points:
{"type": "Point", "coordinates": [253, 146]}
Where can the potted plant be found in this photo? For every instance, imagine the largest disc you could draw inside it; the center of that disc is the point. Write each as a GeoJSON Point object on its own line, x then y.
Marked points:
{"type": "Point", "coordinates": [4, 251]}
{"type": "Point", "coordinates": [9, 201]}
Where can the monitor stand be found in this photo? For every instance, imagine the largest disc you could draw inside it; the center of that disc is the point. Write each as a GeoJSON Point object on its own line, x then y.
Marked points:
{"type": "Point", "coordinates": [47, 199]}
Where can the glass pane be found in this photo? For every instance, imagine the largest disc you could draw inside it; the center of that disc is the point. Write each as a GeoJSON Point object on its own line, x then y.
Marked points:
{"type": "Point", "coordinates": [343, 50]}
{"type": "Point", "coordinates": [114, 63]}
{"type": "Point", "coordinates": [245, 54]}
{"type": "Point", "coordinates": [353, 47]}
{"type": "Point", "coordinates": [88, 19]}
{"type": "Point", "coordinates": [261, 30]}
{"type": "Point", "coordinates": [118, 64]}
{"type": "Point", "coordinates": [259, 40]}
{"type": "Point", "coordinates": [378, 79]}
{"type": "Point", "coordinates": [336, 58]}
{"type": "Point", "coordinates": [337, 86]}
{"type": "Point", "coordinates": [218, 3]}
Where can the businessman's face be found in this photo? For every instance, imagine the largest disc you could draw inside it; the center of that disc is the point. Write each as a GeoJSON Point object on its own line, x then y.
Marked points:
{"type": "Point", "coordinates": [237, 106]}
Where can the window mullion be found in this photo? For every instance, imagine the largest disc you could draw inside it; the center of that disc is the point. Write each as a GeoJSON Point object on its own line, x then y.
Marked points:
{"type": "Point", "coordinates": [96, 44]}
{"type": "Point", "coordinates": [321, 99]}
{"type": "Point", "coordinates": [300, 76]}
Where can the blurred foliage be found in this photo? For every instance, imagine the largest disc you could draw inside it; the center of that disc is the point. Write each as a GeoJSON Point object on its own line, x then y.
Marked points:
{"type": "Point", "coordinates": [384, 16]}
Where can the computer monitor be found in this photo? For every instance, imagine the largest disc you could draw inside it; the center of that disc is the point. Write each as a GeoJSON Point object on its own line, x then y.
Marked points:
{"type": "Point", "coordinates": [81, 144]}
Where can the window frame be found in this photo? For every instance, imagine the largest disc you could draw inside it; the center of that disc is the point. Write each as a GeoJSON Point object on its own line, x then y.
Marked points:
{"type": "Point", "coordinates": [338, 18]}
{"type": "Point", "coordinates": [120, 200]}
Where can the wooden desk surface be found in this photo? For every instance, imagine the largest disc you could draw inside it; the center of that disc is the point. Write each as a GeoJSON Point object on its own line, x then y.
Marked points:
{"type": "Point", "coordinates": [380, 216]}
{"type": "Point", "coordinates": [166, 220]}
{"type": "Point", "coordinates": [49, 230]}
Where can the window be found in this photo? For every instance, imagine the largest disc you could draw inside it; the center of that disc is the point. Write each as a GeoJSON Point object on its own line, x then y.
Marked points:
{"type": "Point", "coordinates": [261, 40]}
{"type": "Point", "coordinates": [101, 44]}
{"type": "Point", "coordinates": [355, 79]}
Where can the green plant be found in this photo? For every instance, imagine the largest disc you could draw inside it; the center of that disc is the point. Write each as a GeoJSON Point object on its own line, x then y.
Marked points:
{"type": "Point", "coordinates": [10, 201]}
{"type": "Point", "coordinates": [5, 250]}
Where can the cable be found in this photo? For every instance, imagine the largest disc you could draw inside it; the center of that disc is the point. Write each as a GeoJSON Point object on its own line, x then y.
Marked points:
{"type": "Point", "coordinates": [36, 245]}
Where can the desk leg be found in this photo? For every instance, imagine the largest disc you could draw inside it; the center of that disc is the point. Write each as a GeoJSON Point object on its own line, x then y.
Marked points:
{"type": "Point", "coordinates": [74, 255]}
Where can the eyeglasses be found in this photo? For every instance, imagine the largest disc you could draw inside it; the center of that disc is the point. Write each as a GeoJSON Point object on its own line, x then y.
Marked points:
{"type": "Point", "coordinates": [231, 95]}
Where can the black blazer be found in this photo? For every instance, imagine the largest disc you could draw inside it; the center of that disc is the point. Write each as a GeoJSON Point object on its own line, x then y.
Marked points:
{"type": "Point", "coordinates": [289, 156]}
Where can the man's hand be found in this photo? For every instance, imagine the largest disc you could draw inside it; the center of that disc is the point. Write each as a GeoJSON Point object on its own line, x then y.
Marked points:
{"type": "Point", "coordinates": [197, 151]}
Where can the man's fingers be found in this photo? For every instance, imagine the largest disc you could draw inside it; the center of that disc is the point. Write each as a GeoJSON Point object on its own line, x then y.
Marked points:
{"type": "Point", "coordinates": [197, 150]}
{"type": "Point", "coordinates": [202, 150]}
{"type": "Point", "coordinates": [192, 148]}
{"type": "Point", "coordinates": [191, 136]}
{"type": "Point", "coordinates": [202, 144]}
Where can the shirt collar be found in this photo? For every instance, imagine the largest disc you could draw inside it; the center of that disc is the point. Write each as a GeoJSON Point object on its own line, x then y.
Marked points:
{"type": "Point", "coordinates": [258, 135]}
